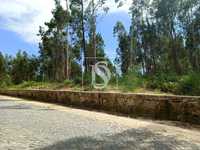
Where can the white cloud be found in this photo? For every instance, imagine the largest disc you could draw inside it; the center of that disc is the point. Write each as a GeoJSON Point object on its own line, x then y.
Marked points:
{"type": "Point", "coordinates": [25, 16]}
{"type": "Point", "coordinates": [124, 8]}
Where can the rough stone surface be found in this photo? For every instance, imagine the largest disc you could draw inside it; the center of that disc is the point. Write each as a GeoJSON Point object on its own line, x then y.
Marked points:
{"type": "Point", "coordinates": [26, 125]}
{"type": "Point", "coordinates": [176, 108]}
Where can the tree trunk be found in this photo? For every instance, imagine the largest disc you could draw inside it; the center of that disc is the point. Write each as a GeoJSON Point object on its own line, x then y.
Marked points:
{"type": "Point", "coordinates": [83, 37]}
{"type": "Point", "coordinates": [67, 46]}
{"type": "Point", "coordinates": [94, 32]}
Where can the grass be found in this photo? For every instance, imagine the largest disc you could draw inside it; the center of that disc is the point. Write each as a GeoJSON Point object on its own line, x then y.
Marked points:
{"type": "Point", "coordinates": [32, 85]}
{"type": "Point", "coordinates": [29, 85]}
{"type": "Point", "coordinates": [131, 83]}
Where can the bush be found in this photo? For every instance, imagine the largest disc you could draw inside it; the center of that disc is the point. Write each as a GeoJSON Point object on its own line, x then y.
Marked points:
{"type": "Point", "coordinates": [163, 82]}
{"type": "Point", "coordinates": [183, 85]}
{"type": "Point", "coordinates": [189, 84]}
{"type": "Point", "coordinates": [32, 85]}
{"type": "Point", "coordinates": [131, 81]}
{"type": "Point", "coordinates": [5, 81]}
{"type": "Point", "coordinates": [27, 84]}
{"type": "Point", "coordinates": [68, 82]}
{"type": "Point", "coordinates": [77, 80]}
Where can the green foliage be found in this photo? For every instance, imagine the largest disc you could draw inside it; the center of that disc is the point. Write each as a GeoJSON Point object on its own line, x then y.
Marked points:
{"type": "Point", "coordinates": [76, 74]}
{"type": "Point", "coordinates": [23, 68]}
{"type": "Point", "coordinates": [87, 79]}
{"type": "Point", "coordinates": [131, 81]}
{"type": "Point", "coordinates": [54, 46]}
{"type": "Point", "coordinates": [123, 51]}
{"type": "Point", "coordinates": [189, 84]}
{"type": "Point", "coordinates": [163, 37]}
{"type": "Point", "coordinates": [27, 84]}
{"type": "Point", "coordinates": [183, 85]}
{"type": "Point", "coordinates": [68, 82]}
{"type": "Point", "coordinates": [37, 85]}
{"type": "Point", "coordinates": [5, 81]}
{"type": "Point", "coordinates": [164, 82]}
{"type": "Point", "coordinates": [2, 65]}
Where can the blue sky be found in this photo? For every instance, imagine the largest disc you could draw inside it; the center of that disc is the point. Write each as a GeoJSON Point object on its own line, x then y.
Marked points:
{"type": "Point", "coordinates": [11, 42]}
{"type": "Point", "coordinates": [20, 21]}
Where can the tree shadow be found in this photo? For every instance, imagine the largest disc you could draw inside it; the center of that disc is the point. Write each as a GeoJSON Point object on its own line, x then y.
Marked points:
{"type": "Point", "coordinates": [134, 139]}
{"type": "Point", "coordinates": [24, 107]}
{"type": "Point", "coordinates": [5, 100]}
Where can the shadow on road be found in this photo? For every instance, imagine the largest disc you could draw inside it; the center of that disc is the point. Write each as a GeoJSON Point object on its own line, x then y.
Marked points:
{"type": "Point", "coordinates": [23, 107]}
{"type": "Point", "coordinates": [134, 139]}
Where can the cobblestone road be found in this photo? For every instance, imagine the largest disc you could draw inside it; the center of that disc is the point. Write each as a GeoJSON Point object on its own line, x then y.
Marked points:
{"type": "Point", "coordinates": [26, 125]}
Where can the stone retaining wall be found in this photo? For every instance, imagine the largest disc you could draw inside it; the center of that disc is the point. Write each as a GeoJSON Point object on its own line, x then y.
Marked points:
{"type": "Point", "coordinates": [175, 108]}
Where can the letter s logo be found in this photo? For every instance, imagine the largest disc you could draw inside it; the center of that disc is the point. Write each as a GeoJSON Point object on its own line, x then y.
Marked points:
{"type": "Point", "coordinates": [103, 72]}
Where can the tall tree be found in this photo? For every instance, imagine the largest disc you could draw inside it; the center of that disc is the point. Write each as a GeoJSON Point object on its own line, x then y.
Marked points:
{"type": "Point", "coordinates": [163, 35]}
{"type": "Point", "coordinates": [2, 66]}
{"type": "Point", "coordinates": [93, 10]}
{"type": "Point", "coordinates": [85, 30]}
{"type": "Point", "coordinates": [24, 68]}
{"type": "Point", "coordinates": [123, 50]}
{"type": "Point", "coordinates": [54, 47]}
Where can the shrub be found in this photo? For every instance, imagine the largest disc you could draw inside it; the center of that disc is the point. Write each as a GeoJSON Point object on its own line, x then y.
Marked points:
{"type": "Point", "coordinates": [163, 82]}
{"type": "Point", "coordinates": [184, 85]}
{"type": "Point", "coordinates": [77, 80]}
{"type": "Point", "coordinates": [131, 81]}
{"type": "Point", "coordinates": [68, 82]}
{"type": "Point", "coordinates": [5, 81]}
{"type": "Point", "coordinates": [27, 84]}
{"type": "Point", "coordinates": [189, 84]}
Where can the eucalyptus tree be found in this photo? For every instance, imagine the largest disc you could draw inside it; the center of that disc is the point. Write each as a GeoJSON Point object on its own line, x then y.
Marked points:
{"type": "Point", "coordinates": [190, 16]}
{"type": "Point", "coordinates": [67, 41]}
{"type": "Point", "coordinates": [5, 70]}
{"type": "Point", "coordinates": [77, 23]}
{"type": "Point", "coordinates": [23, 68]}
{"type": "Point", "coordinates": [94, 9]}
{"type": "Point", "coordinates": [2, 66]}
{"type": "Point", "coordinates": [84, 21]}
{"type": "Point", "coordinates": [54, 47]}
{"type": "Point", "coordinates": [166, 14]}
{"type": "Point", "coordinates": [123, 50]}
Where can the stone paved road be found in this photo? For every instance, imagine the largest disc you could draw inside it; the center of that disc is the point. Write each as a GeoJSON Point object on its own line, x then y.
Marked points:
{"type": "Point", "coordinates": [26, 125]}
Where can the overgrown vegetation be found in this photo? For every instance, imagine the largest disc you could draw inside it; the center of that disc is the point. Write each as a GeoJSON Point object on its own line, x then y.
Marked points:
{"type": "Point", "coordinates": [162, 45]}
{"type": "Point", "coordinates": [177, 84]}
{"type": "Point", "coordinates": [131, 81]}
